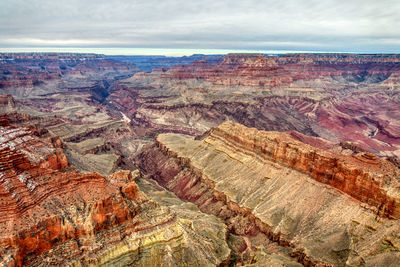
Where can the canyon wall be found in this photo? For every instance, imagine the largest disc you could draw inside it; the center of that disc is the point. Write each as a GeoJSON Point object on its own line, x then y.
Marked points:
{"type": "Point", "coordinates": [262, 184]}
{"type": "Point", "coordinates": [364, 177]}
{"type": "Point", "coordinates": [31, 74]}
{"type": "Point", "coordinates": [50, 214]}
{"type": "Point", "coordinates": [337, 97]}
{"type": "Point", "coordinates": [73, 121]}
{"type": "Point", "coordinates": [274, 71]}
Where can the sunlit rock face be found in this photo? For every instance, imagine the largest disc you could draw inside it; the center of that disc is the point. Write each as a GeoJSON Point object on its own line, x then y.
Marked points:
{"type": "Point", "coordinates": [329, 206]}
{"type": "Point", "coordinates": [50, 214]}
{"type": "Point", "coordinates": [338, 97]}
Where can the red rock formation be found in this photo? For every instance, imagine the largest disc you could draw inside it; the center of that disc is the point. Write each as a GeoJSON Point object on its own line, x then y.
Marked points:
{"type": "Point", "coordinates": [334, 96]}
{"type": "Point", "coordinates": [272, 71]}
{"type": "Point", "coordinates": [180, 176]}
{"type": "Point", "coordinates": [44, 205]}
{"type": "Point", "coordinates": [364, 177]}
{"type": "Point", "coordinates": [269, 184]}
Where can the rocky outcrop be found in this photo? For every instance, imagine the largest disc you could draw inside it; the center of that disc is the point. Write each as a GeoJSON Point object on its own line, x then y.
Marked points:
{"type": "Point", "coordinates": [7, 101]}
{"type": "Point", "coordinates": [269, 184]}
{"type": "Point", "coordinates": [50, 214]}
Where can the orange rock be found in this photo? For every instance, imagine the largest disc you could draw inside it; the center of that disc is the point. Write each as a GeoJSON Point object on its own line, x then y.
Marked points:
{"type": "Point", "coordinates": [44, 204]}
{"type": "Point", "coordinates": [364, 177]}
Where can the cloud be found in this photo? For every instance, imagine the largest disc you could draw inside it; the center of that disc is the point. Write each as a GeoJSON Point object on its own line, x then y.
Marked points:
{"type": "Point", "coordinates": [329, 25]}
{"type": "Point", "coordinates": [59, 42]}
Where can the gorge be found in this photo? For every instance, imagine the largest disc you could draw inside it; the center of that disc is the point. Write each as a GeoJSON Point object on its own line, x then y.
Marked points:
{"type": "Point", "coordinates": [218, 160]}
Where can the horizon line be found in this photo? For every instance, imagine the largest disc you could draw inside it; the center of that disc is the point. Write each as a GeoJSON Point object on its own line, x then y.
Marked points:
{"type": "Point", "coordinates": [172, 52]}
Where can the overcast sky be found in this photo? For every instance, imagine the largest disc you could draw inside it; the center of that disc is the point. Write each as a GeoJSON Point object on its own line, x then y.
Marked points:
{"type": "Point", "coordinates": [295, 25]}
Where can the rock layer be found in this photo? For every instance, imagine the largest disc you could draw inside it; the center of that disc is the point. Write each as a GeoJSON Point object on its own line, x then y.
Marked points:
{"type": "Point", "coordinates": [261, 183]}
{"type": "Point", "coordinates": [364, 177]}
{"type": "Point", "coordinates": [334, 96]}
{"type": "Point", "coordinates": [50, 214]}
{"type": "Point", "coordinates": [282, 201]}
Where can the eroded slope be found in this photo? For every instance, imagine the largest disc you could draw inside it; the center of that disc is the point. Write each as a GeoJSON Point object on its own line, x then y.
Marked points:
{"type": "Point", "coordinates": [262, 183]}
{"type": "Point", "coordinates": [50, 214]}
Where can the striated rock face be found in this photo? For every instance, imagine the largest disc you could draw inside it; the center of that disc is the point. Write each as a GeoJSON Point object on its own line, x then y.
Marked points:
{"type": "Point", "coordinates": [26, 75]}
{"type": "Point", "coordinates": [338, 97]}
{"type": "Point", "coordinates": [325, 207]}
{"type": "Point", "coordinates": [314, 195]}
{"type": "Point", "coordinates": [274, 71]}
{"type": "Point", "coordinates": [52, 215]}
{"type": "Point", "coordinates": [334, 96]}
{"type": "Point", "coordinates": [364, 177]}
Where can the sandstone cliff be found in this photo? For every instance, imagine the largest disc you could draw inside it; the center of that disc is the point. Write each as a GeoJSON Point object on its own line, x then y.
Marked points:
{"type": "Point", "coordinates": [327, 208]}
{"type": "Point", "coordinates": [364, 177]}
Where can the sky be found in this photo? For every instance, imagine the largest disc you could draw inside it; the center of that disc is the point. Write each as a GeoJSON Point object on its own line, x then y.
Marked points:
{"type": "Point", "coordinates": [214, 26]}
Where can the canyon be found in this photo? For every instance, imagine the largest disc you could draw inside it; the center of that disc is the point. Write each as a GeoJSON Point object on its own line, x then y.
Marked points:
{"type": "Point", "coordinates": [217, 160]}
{"type": "Point", "coordinates": [337, 97]}
{"type": "Point", "coordinates": [269, 184]}
{"type": "Point", "coordinates": [54, 215]}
